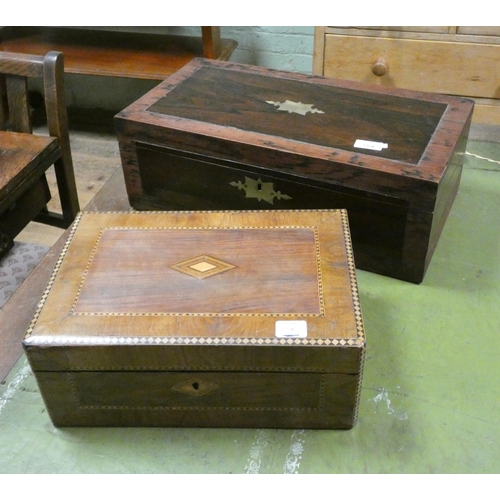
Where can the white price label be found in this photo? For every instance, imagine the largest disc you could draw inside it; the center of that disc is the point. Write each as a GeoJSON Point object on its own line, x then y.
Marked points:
{"type": "Point", "coordinates": [374, 146]}
{"type": "Point", "coordinates": [291, 329]}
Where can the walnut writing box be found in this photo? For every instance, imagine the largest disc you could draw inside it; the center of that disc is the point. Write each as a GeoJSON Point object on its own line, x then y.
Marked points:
{"type": "Point", "coordinates": [204, 319]}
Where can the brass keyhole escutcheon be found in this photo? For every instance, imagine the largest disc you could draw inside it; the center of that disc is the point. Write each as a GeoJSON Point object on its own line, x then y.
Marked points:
{"type": "Point", "coordinates": [262, 191]}
{"type": "Point", "coordinates": [196, 386]}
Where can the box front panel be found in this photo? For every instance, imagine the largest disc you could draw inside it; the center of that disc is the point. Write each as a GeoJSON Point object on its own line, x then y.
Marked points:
{"type": "Point", "coordinates": [207, 399]}
{"type": "Point", "coordinates": [198, 390]}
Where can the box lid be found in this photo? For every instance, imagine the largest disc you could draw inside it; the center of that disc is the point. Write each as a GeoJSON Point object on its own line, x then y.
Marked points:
{"type": "Point", "coordinates": [207, 290]}
{"type": "Point", "coordinates": [384, 139]}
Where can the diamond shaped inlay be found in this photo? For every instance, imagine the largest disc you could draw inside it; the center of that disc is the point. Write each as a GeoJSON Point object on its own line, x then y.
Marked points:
{"type": "Point", "coordinates": [202, 267]}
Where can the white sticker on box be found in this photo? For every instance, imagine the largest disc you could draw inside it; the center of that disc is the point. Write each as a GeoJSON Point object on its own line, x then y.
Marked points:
{"type": "Point", "coordinates": [374, 146]}
{"type": "Point", "coordinates": [296, 329]}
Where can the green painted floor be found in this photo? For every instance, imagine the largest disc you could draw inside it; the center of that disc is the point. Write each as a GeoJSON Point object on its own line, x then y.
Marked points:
{"type": "Point", "coordinates": [430, 401]}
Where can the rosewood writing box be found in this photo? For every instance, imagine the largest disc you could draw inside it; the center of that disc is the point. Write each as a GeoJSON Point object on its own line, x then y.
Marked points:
{"type": "Point", "coordinates": [203, 319]}
{"type": "Point", "coordinates": [219, 135]}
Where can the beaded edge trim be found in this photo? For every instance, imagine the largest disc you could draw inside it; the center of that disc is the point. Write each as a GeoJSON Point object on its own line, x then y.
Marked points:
{"type": "Point", "coordinates": [357, 310]}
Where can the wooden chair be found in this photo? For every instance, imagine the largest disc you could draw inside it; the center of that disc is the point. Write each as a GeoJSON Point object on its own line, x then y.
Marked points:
{"type": "Point", "coordinates": [24, 156]}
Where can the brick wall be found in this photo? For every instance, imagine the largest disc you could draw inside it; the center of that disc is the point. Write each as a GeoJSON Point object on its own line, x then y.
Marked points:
{"type": "Point", "coordinates": [288, 48]}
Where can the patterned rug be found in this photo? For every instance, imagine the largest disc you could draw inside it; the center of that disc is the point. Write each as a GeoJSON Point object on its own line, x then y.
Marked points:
{"type": "Point", "coordinates": [17, 265]}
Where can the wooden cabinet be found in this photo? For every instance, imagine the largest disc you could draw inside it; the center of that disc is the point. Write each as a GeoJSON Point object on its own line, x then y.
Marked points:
{"type": "Point", "coordinates": [457, 60]}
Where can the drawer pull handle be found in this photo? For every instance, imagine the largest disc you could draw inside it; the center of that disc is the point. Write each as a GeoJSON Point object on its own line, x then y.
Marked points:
{"type": "Point", "coordinates": [380, 67]}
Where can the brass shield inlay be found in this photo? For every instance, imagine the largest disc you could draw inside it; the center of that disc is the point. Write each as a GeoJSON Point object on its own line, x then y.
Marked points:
{"type": "Point", "coordinates": [260, 190]}
{"type": "Point", "coordinates": [202, 267]}
{"type": "Point", "coordinates": [295, 107]}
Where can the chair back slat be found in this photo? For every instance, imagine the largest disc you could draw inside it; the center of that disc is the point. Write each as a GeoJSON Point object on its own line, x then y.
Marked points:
{"type": "Point", "coordinates": [15, 69]}
{"type": "Point", "coordinates": [21, 64]}
{"type": "Point", "coordinates": [55, 98]}
{"type": "Point", "coordinates": [17, 96]}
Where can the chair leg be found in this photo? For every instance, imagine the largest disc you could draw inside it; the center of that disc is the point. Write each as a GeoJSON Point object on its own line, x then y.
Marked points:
{"type": "Point", "coordinates": [57, 121]}
{"type": "Point", "coordinates": [66, 185]}
{"type": "Point", "coordinates": [68, 196]}
{"type": "Point", "coordinates": [6, 242]}
{"type": "Point", "coordinates": [4, 114]}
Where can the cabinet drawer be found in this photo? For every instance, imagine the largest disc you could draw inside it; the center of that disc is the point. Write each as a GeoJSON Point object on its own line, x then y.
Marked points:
{"type": "Point", "coordinates": [479, 30]}
{"type": "Point", "coordinates": [468, 69]}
